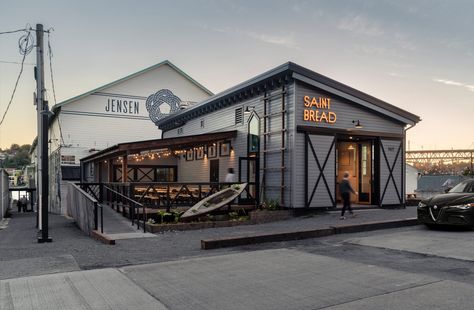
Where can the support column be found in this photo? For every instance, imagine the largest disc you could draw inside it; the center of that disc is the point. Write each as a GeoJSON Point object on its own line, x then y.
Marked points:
{"type": "Point", "coordinates": [124, 168]}
{"type": "Point", "coordinates": [110, 172]}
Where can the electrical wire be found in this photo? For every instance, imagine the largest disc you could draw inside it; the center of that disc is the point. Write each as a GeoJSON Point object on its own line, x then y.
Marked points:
{"type": "Point", "coordinates": [50, 54]}
{"type": "Point", "coordinates": [15, 63]}
{"type": "Point", "coordinates": [22, 43]}
{"type": "Point", "coordinates": [13, 31]}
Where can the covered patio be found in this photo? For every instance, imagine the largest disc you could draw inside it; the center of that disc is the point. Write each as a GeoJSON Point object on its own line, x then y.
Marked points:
{"type": "Point", "coordinates": [162, 173]}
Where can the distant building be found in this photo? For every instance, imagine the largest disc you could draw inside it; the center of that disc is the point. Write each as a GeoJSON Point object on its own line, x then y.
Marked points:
{"type": "Point", "coordinates": [411, 180]}
{"type": "Point", "coordinates": [121, 111]}
{"type": "Point", "coordinates": [430, 185]}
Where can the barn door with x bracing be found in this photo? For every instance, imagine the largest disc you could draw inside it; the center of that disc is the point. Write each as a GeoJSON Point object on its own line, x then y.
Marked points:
{"type": "Point", "coordinates": [320, 169]}
{"type": "Point", "coordinates": [391, 177]}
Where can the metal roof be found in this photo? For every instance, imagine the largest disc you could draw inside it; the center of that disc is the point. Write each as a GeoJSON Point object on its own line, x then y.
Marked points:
{"type": "Point", "coordinates": [281, 74]}
{"type": "Point", "coordinates": [183, 142]}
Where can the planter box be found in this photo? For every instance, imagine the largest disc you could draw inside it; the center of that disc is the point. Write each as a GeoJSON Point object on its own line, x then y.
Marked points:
{"type": "Point", "coordinates": [157, 228]}
{"type": "Point", "coordinates": [265, 216]}
{"type": "Point", "coordinates": [256, 217]}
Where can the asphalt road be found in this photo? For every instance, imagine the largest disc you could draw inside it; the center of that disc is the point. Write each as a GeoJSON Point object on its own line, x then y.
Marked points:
{"type": "Point", "coordinates": [404, 268]}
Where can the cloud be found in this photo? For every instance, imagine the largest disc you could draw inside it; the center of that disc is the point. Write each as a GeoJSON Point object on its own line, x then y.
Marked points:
{"type": "Point", "coordinates": [283, 40]}
{"type": "Point", "coordinates": [454, 83]}
{"type": "Point", "coordinates": [360, 25]}
{"type": "Point", "coordinates": [396, 74]}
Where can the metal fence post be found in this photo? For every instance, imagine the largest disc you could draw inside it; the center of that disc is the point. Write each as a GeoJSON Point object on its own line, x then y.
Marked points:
{"type": "Point", "coordinates": [96, 219]}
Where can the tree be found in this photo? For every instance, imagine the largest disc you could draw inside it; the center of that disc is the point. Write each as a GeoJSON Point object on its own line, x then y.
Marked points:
{"type": "Point", "coordinates": [17, 156]}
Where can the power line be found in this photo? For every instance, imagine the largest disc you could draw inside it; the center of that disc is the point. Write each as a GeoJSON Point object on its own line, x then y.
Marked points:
{"type": "Point", "coordinates": [50, 53]}
{"type": "Point", "coordinates": [14, 31]}
{"type": "Point", "coordinates": [16, 63]}
{"type": "Point", "coordinates": [24, 50]}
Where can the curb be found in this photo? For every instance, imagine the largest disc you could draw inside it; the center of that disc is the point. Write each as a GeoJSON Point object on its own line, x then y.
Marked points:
{"type": "Point", "coordinates": [102, 237]}
{"type": "Point", "coordinates": [305, 234]}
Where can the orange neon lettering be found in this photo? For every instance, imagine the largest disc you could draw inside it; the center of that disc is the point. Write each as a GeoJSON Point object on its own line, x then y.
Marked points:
{"type": "Point", "coordinates": [305, 115]}
{"type": "Point", "coordinates": [307, 103]}
{"type": "Point", "coordinates": [323, 104]}
{"type": "Point", "coordinates": [332, 117]}
{"type": "Point", "coordinates": [323, 117]}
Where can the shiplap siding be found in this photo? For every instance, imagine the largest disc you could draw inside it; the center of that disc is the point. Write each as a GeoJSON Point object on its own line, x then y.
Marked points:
{"type": "Point", "coordinates": [390, 197]}
{"type": "Point", "coordinates": [224, 120]}
{"type": "Point", "coordinates": [346, 112]}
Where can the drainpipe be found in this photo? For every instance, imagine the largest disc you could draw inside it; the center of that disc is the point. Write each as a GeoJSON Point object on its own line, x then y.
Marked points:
{"type": "Point", "coordinates": [404, 172]}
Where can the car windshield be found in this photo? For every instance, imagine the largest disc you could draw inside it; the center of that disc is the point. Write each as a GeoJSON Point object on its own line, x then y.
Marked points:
{"type": "Point", "coordinates": [463, 187]}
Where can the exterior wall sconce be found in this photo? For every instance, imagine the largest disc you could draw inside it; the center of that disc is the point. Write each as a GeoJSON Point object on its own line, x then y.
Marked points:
{"type": "Point", "coordinates": [357, 124]}
{"type": "Point", "coordinates": [249, 109]}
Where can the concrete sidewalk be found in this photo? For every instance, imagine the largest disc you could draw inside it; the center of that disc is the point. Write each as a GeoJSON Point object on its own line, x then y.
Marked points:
{"type": "Point", "coordinates": [275, 279]}
{"type": "Point", "coordinates": [73, 250]}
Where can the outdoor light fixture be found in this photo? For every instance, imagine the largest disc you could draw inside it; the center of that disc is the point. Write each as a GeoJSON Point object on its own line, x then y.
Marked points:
{"type": "Point", "coordinates": [357, 124]}
{"type": "Point", "coordinates": [249, 109]}
{"type": "Point", "coordinates": [350, 148]}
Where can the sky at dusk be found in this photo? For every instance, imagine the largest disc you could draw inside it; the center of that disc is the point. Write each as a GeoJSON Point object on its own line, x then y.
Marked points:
{"type": "Point", "coordinates": [417, 55]}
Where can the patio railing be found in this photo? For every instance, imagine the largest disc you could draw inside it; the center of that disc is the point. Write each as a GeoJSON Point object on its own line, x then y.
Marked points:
{"type": "Point", "coordinates": [136, 198]}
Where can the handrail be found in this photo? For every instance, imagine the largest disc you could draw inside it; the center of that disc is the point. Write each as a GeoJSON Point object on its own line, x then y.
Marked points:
{"type": "Point", "coordinates": [139, 205]}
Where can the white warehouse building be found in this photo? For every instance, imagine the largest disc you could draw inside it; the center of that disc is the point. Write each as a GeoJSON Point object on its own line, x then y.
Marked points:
{"type": "Point", "coordinates": [122, 111]}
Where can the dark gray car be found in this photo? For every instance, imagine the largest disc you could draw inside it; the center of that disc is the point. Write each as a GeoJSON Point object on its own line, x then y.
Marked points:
{"type": "Point", "coordinates": [456, 207]}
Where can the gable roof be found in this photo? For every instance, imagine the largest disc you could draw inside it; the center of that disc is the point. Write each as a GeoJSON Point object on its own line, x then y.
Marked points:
{"type": "Point", "coordinates": [281, 74]}
{"type": "Point", "coordinates": [128, 77]}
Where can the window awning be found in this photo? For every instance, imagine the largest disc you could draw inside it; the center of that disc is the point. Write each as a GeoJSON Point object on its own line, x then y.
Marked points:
{"type": "Point", "coordinates": [184, 142]}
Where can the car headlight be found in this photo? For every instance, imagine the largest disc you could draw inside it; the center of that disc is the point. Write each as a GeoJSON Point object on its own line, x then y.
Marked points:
{"type": "Point", "coordinates": [421, 205]}
{"type": "Point", "coordinates": [464, 207]}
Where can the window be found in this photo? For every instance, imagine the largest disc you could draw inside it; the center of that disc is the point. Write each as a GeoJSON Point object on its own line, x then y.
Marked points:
{"type": "Point", "coordinates": [68, 159]}
{"type": "Point", "coordinates": [254, 134]}
{"type": "Point", "coordinates": [239, 116]}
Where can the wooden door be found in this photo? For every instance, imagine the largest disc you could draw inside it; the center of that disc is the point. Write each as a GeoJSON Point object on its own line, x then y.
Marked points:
{"type": "Point", "coordinates": [214, 170]}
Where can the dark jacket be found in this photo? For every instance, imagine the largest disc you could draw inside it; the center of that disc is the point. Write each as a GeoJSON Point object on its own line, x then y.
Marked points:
{"type": "Point", "coordinates": [345, 187]}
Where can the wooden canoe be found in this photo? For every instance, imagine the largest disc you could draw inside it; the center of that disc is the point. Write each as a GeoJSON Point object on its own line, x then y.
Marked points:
{"type": "Point", "coordinates": [215, 201]}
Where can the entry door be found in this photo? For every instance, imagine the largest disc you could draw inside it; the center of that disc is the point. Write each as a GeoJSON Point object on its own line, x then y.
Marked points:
{"type": "Point", "coordinates": [214, 170]}
{"type": "Point", "coordinates": [320, 153]}
{"type": "Point", "coordinates": [347, 159]}
{"type": "Point", "coordinates": [365, 172]}
{"type": "Point", "coordinates": [248, 173]}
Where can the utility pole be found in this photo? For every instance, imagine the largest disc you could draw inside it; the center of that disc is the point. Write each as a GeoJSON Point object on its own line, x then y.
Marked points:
{"type": "Point", "coordinates": [42, 142]}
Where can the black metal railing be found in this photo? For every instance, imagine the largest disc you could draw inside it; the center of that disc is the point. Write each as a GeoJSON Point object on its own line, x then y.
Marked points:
{"type": "Point", "coordinates": [136, 196]}
{"type": "Point", "coordinates": [119, 198]}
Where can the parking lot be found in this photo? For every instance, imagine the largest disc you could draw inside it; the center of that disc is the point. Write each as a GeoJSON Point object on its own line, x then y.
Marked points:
{"type": "Point", "coordinates": [403, 268]}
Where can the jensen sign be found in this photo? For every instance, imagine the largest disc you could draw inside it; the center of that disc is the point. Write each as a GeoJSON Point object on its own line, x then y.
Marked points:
{"type": "Point", "coordinates": [122, 106]}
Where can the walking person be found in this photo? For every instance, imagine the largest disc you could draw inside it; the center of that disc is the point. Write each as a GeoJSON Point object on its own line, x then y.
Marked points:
{"type": "Point", "coordinates": [345, 188]}
{"type": "Point", "coordinates": [230, 177]}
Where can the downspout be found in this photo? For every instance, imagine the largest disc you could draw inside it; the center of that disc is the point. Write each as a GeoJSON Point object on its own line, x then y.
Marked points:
{"type": "Point", "coordinates": [404, 171]}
